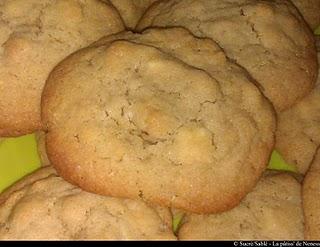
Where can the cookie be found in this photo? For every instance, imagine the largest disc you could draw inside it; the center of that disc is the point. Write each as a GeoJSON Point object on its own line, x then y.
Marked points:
{"type": "Point", "coordinates": [67, 212]}
{"type": "Point", "coordinates": [176, 124]}
{"type": "Point", "coordinates": [272, 211]}
{"type": "Point", "coordinates": [131, 10]}
{"type": "Point", "coordinates": [310, 10]}
{"type": "Point", "coordinates": [35, 35]}
{"type": "Point", "coordinates": [298, 131]}
{"type": "Point", "coordinates": [311, 200]}
{"type": "Point", "coordinates": [268, 38]}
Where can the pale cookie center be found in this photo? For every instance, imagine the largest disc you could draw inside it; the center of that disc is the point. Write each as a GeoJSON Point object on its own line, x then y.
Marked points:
{"type": "Point", "coordinates": [153, 120]}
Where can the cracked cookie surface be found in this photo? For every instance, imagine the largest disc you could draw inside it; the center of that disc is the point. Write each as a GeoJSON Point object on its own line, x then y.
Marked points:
{"type": "Point", "coordinates": [148, 116]}
{"type": "Point", "coordinates": [34, 36]}
{"type": "Point", "coordinates": [268, 38]}
{"type": "Point", "coordinates": [44, 206]}
{"type": "Point", "coordinates": [272, 211]}
{"type": "Point", "coordinates": [298, 130]}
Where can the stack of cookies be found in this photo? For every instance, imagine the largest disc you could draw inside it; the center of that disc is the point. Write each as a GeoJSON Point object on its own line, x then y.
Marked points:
{"type": "Point", "coordinates": [149, 111]}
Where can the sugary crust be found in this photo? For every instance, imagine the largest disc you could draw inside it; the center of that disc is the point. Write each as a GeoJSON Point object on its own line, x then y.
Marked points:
{"type": "Point", "coordinates": [139, 116]}
{"type": "Point", "coordinates": [311, 200]}
{"type": "Point", "coordinates": [272, 211]}
{"type": "Point", "coordinates": [268, 38]}
{"type": "Point", "coordinates": [44, 206]}
{"type": "Point", "coordinates": [298, 130]}
{"type": "Point", "coordinates": [34, 36]}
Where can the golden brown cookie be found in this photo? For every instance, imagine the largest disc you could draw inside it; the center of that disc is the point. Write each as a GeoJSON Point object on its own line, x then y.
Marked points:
{"type": "Point", "coordinates": [298, 130]}
{"type": "Point", "coordinates": [311, 200]}
{"type": "Point", "coordinates": [272, 211]}
{"type": "Point", "coordinates": [175, 123]}
{"type": "Point", "coordinates": [131, 10]}
{"type": "Point", "coordinates": [268, 38]}
{"type": "Point", "coordinates": [44, 206]}
{"type": "Point", "coordinates": [35, 35]}
{"type": "Point", "coordinates": [310, 9]}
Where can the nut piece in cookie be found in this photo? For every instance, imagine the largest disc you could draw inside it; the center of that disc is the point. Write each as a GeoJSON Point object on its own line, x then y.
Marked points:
{"type": "Point", "coordinates": [268, 38]}
{"type": "Point", "coordinates": [44, 206]}
{"type": "Point", "coordinates": [149, 116]}
{"type": "Point", "coordinates": [35, 35]}
{"type": "Point", "coordinates": [272, 211]}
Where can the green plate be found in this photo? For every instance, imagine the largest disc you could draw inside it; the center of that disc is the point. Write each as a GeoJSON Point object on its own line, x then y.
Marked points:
{"type": "Point", "coordinates": [278, 163]}
{"type": "Point", "coordinates": [176, 222]}
{"type": "Point", "coordinates": [18, 157]}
